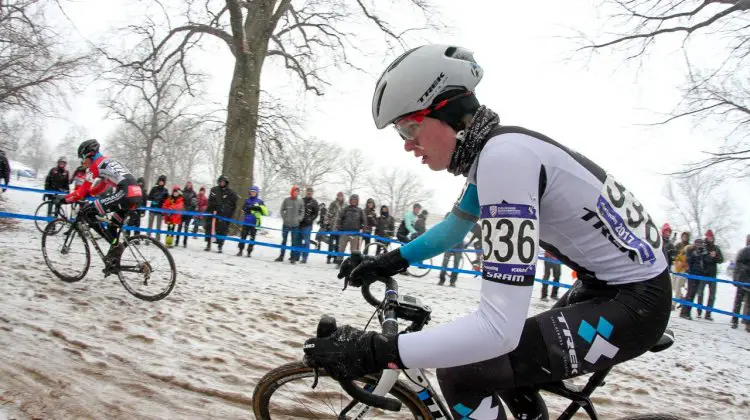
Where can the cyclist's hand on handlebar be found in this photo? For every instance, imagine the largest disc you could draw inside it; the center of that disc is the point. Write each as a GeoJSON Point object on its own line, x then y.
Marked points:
{"type": "Point", "coordinates": [349, 353]}
{"type": "Point", "coordinates": [358, 270]}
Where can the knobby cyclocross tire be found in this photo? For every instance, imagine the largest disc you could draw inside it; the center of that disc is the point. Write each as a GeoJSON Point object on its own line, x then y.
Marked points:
{"type": "Point", "coordinates": [297, 370]}
{"type": "Point", "coordinates": [71, 234]}
{"type": "Point", "coordinates": [135, 241]}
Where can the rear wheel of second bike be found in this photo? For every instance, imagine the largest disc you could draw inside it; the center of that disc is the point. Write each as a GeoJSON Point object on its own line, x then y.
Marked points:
{"type": "Point", "coordinates": [147, 269]}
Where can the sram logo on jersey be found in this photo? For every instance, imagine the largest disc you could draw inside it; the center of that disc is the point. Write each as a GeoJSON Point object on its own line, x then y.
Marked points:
{"type": "Point", "coordinates": [510, 236]}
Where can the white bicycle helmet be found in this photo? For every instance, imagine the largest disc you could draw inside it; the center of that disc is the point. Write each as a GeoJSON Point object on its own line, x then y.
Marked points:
{"type": "Point", "coordinates": [413, 80]}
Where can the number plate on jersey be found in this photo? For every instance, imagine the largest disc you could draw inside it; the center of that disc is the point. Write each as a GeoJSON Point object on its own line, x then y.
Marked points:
{"type": "Point", "coordinates": [510, 236]}
{"type": "Point", "coordinates": [628, 222]}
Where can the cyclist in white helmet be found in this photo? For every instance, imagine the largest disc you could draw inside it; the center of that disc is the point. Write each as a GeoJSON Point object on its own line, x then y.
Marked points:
{"type": "Point", "coordinates": [527, 191]}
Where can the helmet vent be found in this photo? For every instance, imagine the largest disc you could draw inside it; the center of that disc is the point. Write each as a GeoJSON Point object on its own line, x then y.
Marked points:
{"type": "Point", "coordinates": [380, 97]}
{"type": "Point", "coordinates": [450, 51]}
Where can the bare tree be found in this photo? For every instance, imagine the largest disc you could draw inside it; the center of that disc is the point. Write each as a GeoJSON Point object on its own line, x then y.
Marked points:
{"type": "Point", "coordinates": [36, 64]}
{"type": "Point", "coordinates": [128, 146]}
{"type": "Point", "coordinates": [268, 177]}
{"type": "Point", "coordinates": [716, 88]}
{"type": "Point", "coordinates": [309, 162]}
{"type": "Point", "coordinates": [399, 190]}
{"type": "Point", "coordinates": [214, 153]}
{"type": "Point", "coordinates": [11, 131]}
{"type": "Point", "coordinates": [36, 150]}
{"type": "Point", "coordinates": [305, 37]}
{"type": "Point", "coordinates": [354, 171]}
{"type": "Point", "coordinates": [68, 145]}
{"type": "Point", "coordinates": [699, 202]}
{"type": "Point", "coordinates": [153, 100]}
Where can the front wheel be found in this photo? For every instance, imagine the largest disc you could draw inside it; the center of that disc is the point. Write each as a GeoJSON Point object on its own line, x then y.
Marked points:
{"type": "Point", "coordinates": [65, 250]}
{"type": "Point", "coordinates": [146, 269]}
{"type": "Point", "coordinates": [286, 393]}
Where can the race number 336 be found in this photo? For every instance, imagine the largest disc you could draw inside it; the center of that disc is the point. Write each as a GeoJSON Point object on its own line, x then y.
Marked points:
{"type": "Point", "coordinates": [510, 236]}
{"type": "Point", "coordinates": [630, 224]}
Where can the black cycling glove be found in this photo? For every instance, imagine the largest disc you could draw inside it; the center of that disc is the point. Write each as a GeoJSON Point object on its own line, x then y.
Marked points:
{"type": "Point", "coordinates": [370, 268]}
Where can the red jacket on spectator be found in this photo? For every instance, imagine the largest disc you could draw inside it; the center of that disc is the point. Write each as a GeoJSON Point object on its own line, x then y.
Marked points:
{"type": "Point", "coordinates": [173, 203]}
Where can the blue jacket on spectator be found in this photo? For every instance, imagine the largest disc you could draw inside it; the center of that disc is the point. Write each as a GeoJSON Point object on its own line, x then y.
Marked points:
{"type": "Point", "coordinates": [254, 208]}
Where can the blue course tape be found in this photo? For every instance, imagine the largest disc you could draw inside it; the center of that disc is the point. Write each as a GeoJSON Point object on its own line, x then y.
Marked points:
{"type": "Point", "coordinates": [710, 309]}
{"type": "Point", "coordinates": [344, 254]}
{"type": "Point", "coordinates": [8, 215]}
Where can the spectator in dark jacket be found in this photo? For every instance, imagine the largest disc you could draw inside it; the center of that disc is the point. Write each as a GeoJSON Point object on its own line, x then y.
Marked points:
{"type": "Point", "coordinates": [310, 210]}
{"type": "Point", "coordinates": [351, 219]}
{"type": "Point", "coordinates": [667, 246]}
{"type": "Point", "coordinates": [420, 226]}
{"type": "Point", "coordinates": [202, 207]}
{"type": "Point", "coordinates": [742, 275]}
{"type": "Point", "coordinates": [4, 169]}
{"type": "Point", "coordinates": [370, 218]}
{"type": "Point", "coordinates": [334, 210]}
{"type": "Point", "coordinates": [385, 226]}
{"type": "Point", "coordinates": [222, 201]}
{"type": "Point", "coordinates": [322, 220]}
{"type": "Point", "coordinates": [58, 179]}
{"type": "Point", "coordinates": [697, 258]}
{"type": "Point", "coordinates": [714, 258]}
{"type": "Point", "coordinates": [156, 198]}
{"type": "Point", "coordinates": [292, 211]}
{"type": "Point", "coordinates": [190, 202]}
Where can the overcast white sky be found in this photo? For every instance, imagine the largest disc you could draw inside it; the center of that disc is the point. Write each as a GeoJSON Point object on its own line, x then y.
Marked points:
{"type": "Point", "coordinates": [593, 106]}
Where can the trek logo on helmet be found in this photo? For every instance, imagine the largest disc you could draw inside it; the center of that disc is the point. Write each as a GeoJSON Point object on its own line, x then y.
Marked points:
{"type": "Point", "coordinates": [428, 94]}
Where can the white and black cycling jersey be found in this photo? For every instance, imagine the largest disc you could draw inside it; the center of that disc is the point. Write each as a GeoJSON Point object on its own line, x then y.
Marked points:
{"type": "Point", "coordinates": [586, 218]}
{"type": "Point", "coordinates": [527, 191]}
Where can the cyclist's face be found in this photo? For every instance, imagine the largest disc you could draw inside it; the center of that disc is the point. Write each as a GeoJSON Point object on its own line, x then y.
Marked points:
{"type": "Point", "coordinates": [86, 163]}
{"type": "Point", "coordinates": [434, 143]}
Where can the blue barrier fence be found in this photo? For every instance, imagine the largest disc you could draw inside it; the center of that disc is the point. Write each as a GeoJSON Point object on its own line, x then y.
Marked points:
{"type": "Point", "coordinates": [343, 254]}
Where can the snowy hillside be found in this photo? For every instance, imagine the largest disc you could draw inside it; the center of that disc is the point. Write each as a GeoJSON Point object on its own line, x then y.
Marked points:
{"type": "Point", "coordinates": [90, 350]}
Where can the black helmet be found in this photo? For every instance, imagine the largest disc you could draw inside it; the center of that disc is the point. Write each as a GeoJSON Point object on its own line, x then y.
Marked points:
{"type": "Point", "coordinates": [88, 148]}
{"type": "Point", "coordinates": [161, 178]}
{"type": "Point", "coordinates": [222, 178]}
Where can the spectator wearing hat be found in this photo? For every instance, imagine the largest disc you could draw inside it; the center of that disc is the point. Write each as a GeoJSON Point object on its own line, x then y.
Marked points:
{"type": "Point", "coordinates": [680, 265]}
{"type": "Point", "coordinates": [254, 209]}
{"type": "Point", "coordinates": [202, 207]}
{"type": "Point", "coordinates": [156, 197]}
{"type": "Point", "coordinates": [715, 257]}
{"type": "Point", "coordinates": [58, 179]}
{"type": "Point", "coordinates": [175, 202]}
{"type": "Point", "coordinates": [351, 219]}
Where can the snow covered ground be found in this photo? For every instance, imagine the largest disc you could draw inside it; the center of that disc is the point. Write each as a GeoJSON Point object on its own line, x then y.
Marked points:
{"type": "Point", "coordinates": [90, 350]}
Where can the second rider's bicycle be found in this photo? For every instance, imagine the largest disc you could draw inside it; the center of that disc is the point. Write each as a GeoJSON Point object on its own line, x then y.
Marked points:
{"type": "Point", "coordinates": [145, 267]}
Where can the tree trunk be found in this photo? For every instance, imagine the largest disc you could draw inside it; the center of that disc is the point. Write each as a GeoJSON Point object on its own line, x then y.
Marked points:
{"type": "Point", "coordinates": [242, 117]}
